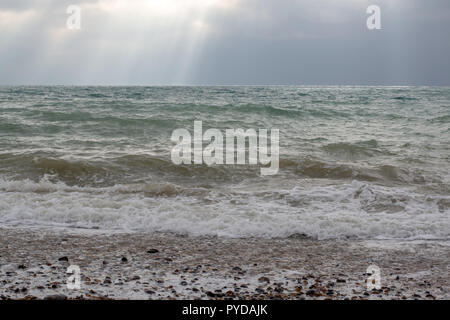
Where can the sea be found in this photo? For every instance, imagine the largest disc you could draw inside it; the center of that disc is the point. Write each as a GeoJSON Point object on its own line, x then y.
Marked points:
{"type": "Point", "coordinates": [354, 162]}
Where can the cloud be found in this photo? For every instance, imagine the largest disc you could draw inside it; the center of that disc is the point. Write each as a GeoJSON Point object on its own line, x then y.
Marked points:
{"type": "Point", "coordinates": [224, 42]}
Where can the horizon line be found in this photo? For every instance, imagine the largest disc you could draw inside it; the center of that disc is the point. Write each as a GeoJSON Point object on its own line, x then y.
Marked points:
{"type": "Point", "coordinates": [223, 85]}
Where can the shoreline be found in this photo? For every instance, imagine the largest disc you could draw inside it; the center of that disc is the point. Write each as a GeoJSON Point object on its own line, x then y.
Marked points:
{"type": "Point", "coordinates": [34, 261]}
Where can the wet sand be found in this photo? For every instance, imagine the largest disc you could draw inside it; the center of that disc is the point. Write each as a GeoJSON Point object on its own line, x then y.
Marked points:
{"type": "Point", "coordinates": [34, 261]}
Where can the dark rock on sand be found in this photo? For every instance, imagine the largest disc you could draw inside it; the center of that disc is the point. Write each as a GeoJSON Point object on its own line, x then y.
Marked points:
{"type": "Point", "coordinates": [230, 293]}
{"type": "Point", "coordinates": [63, 259]}
{"type": "Point", "coordinates": [214, 295]}
{"type": "Point", "coordinates": [278, 289]}
{"type": "Point", "coordinates": [153, 251]}
{"type": "Point", "coordinates": [56, 297]}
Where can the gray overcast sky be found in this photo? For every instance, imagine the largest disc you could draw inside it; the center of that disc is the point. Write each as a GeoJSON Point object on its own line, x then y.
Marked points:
{"type": "Point", "coordinates": [159, 42]}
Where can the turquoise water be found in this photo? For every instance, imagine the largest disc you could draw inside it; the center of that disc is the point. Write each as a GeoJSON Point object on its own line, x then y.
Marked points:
{"type": "Point", "coordinates": [358, 162]}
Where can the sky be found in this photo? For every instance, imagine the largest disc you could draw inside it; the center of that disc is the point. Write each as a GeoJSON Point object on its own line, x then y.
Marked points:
{"type": "Point", "coordinates": [224, 42]}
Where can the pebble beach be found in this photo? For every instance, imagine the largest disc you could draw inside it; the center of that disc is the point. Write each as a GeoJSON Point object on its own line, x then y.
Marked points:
{"type": "Point", "coordinates": [34, 262]}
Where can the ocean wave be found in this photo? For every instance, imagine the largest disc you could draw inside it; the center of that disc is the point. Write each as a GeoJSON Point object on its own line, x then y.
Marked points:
{"type": "Point", "coordinates": [349, 210]}
{"type": "Point", "coordinates": [441, 119]}
{"type": "Point", "coordinates": [404, 98]}
{"type": "Point", "coordinates": [355, 150]}
{"type": "Point", "coordinates": [351, 165]}
{"type": "Point", "coordinates": [47, 186]}
{"type": "Point", "coordinates": [121, 120]}
{"type": "Point", "coordinates": [383, 173]}
{"type": "Point", "coordinates": [107, 171]}
{"type": "Point", "coordinates": [102, 171]}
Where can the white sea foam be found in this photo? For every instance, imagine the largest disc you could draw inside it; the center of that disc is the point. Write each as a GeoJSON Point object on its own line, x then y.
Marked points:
{"type": "Point", "coordinates": [353, 209]}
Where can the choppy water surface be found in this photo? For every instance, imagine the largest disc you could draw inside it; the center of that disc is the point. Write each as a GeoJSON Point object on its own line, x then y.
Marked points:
{"type": "Point", "coordinates": [364, 162]}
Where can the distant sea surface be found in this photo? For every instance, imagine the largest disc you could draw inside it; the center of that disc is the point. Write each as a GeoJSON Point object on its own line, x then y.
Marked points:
{"type": "Point", "coordinates": [355, 162]}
